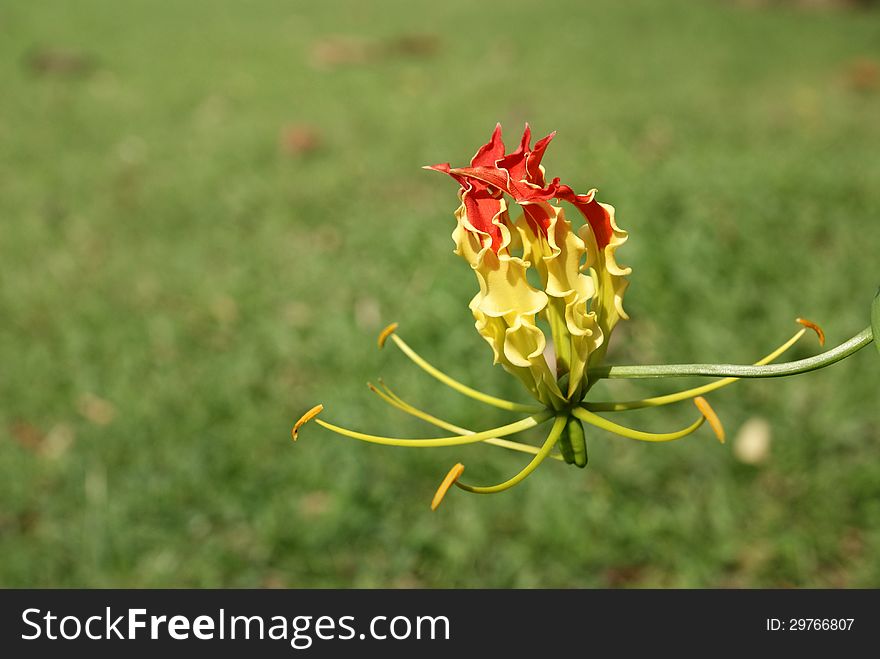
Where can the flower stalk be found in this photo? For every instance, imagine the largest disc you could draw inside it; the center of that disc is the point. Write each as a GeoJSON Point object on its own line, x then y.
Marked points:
{"type": "Point", "coordinates": [844, 350]}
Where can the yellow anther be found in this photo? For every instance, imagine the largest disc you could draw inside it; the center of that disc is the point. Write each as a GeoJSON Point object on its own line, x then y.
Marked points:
{"type": "Point", "coordinates": [707, 411]}
{"type": "Point", "coordinates": [305, 418]}
{"type": "Point", "coordinates": [453, 475]}
{"type": "Point", "coordinates": [813, 326]}
{"type": "Point", "coordinates": [385, 333]}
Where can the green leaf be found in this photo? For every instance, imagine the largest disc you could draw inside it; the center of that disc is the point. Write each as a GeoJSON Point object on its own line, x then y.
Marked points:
{"type": "Point", "coordinates": [875, 320]}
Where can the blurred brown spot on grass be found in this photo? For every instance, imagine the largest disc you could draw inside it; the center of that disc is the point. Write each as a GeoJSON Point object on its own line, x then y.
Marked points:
{"type": "Point", "coordinates": [345, 50]}
{"type": "Point", "coordinates": [300, 140]}
{"type": "Point", "coordinates": [326, 239]}
{"type": "Point", "coordinates": [852, 543]}
{"type": "Point", "coordinates": [618, 576]}
{"type": "Point", "coordinates": [750, 559]}
{"type": "Point", "coordinates": [99, 411]}
{"type": "Point", "coordinates": [59, 62]}
{"type": "Point", "coordinates": [315, 504]}
{"type": "Point", "coordinates": [52, 445]}
{"type": "Point", "coordinates": [408, 582]}
{"type": "Point", "coordinates": [22, 522]}
{"type": "Point", "coordinates": [413, 45]}
{"type": "Point", "coordinates": [863, 75]}
{"type": "Point", "coordinates": [274, 580]}
{"type": "Point", "coordinates": [27, 435]}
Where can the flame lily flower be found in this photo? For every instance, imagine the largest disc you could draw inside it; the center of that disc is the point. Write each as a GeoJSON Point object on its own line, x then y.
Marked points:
{"type": "Point", "coordinates": [553, 338]}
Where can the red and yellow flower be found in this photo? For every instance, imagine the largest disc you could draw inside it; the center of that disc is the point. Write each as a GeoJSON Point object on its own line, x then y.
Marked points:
{"type": "Point", "coordinates": [551, 330]}
{"type": "Point", "coordinates": [582, 287]}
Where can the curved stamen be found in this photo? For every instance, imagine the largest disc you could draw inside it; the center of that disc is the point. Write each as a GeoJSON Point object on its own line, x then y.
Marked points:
{"type": "Point", "coordinates": [436, 442]}
{"type": "Point", "coordinates": [304, 419]}
{"type": "Point", "coordinates": [458, 386]}
{"type": "Point", "coordinates": [707, 411]}
{"type": "Point", "coordinates": [452, 477]}
{"type": "Point", "coordinates": [678, 396]}
{"type": "Point", "coordinates": [396, 401]}
{"type": "Point", "coordinates": [813, 326]}
{"type": "Point", "coordinates": [827, 358]}
{"type": "Point", "coordinates": [549, 443]}
{"type": "Point", "coordinates": [385, 333]}
{"type": "Point", "coordinates": [595, 420]}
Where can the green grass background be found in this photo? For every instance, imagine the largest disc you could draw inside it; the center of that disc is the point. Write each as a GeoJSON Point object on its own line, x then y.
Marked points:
{"type": "Point", "coordinates": [161, 252]}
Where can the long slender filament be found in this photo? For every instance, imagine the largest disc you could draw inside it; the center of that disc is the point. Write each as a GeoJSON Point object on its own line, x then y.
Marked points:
{"type": "Point", "coordinates": [549, 443]}
{"type": "Point", "coordinates": [875, 319]}
{"type": "Point", "coordinates": [396, 401]}
{"type": "Point", "coordinates": [458, 386]}
{"type": "Point", "coordinates": [595, 420]}
{"type": "Point", "coordinates": [436, 442]}
{"type": "Point", "coordinates": [676, 397]}
{"type": "Point", "coordinates": [827, 358]}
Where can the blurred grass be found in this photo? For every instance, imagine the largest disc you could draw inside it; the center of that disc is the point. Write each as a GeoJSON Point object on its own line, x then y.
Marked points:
{"type": "Point", "coordinates": [182, 276]}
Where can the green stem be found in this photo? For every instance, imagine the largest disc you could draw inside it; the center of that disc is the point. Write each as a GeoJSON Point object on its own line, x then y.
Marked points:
{"type": "Point", "coordinates": [678, 396]}
{"type": "Point", "coordinates": [828, 358]}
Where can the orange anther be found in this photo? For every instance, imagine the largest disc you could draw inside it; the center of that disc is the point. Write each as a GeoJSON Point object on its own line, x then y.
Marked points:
{"type": "Point", "coordinates": [305, 418]}
{"type": "Point", "coordinates": [813, 326]}
{"type": "Point", "coordinates": [453, 475]}
{"type": "Point", "coordinates": [385, 333]}
{"type": "Point", "coordinates": [710, 416]}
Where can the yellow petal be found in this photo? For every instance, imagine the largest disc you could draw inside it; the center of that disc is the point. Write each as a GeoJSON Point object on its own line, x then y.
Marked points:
{"type": "Point", "coordinates": [610, 279]}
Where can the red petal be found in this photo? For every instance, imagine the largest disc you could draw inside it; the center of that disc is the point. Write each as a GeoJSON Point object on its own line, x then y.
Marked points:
{"type": "Point", "coordinates": [479, 202]}
{"type": "Point", "coordinates": [537, 216]}
{"type": "Point", "coordinates": [446, 169]}
{"type": "Point", "coordinates": [488, 175]}
{"type": "Point", "coordinates": [519, 175]}
{"type": "Point", "coordinates": [533, 161]}
{"type": "Point", "coordinates": [481, 207]}
{"type": "Point", "coordinates": [501, 179]}
{"type": "Point", "coordinates": [490, 151]}
{"type": "Point", "coordinates": [593, 212]}
{"type": "Point", "coordinates": [515, 163]}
